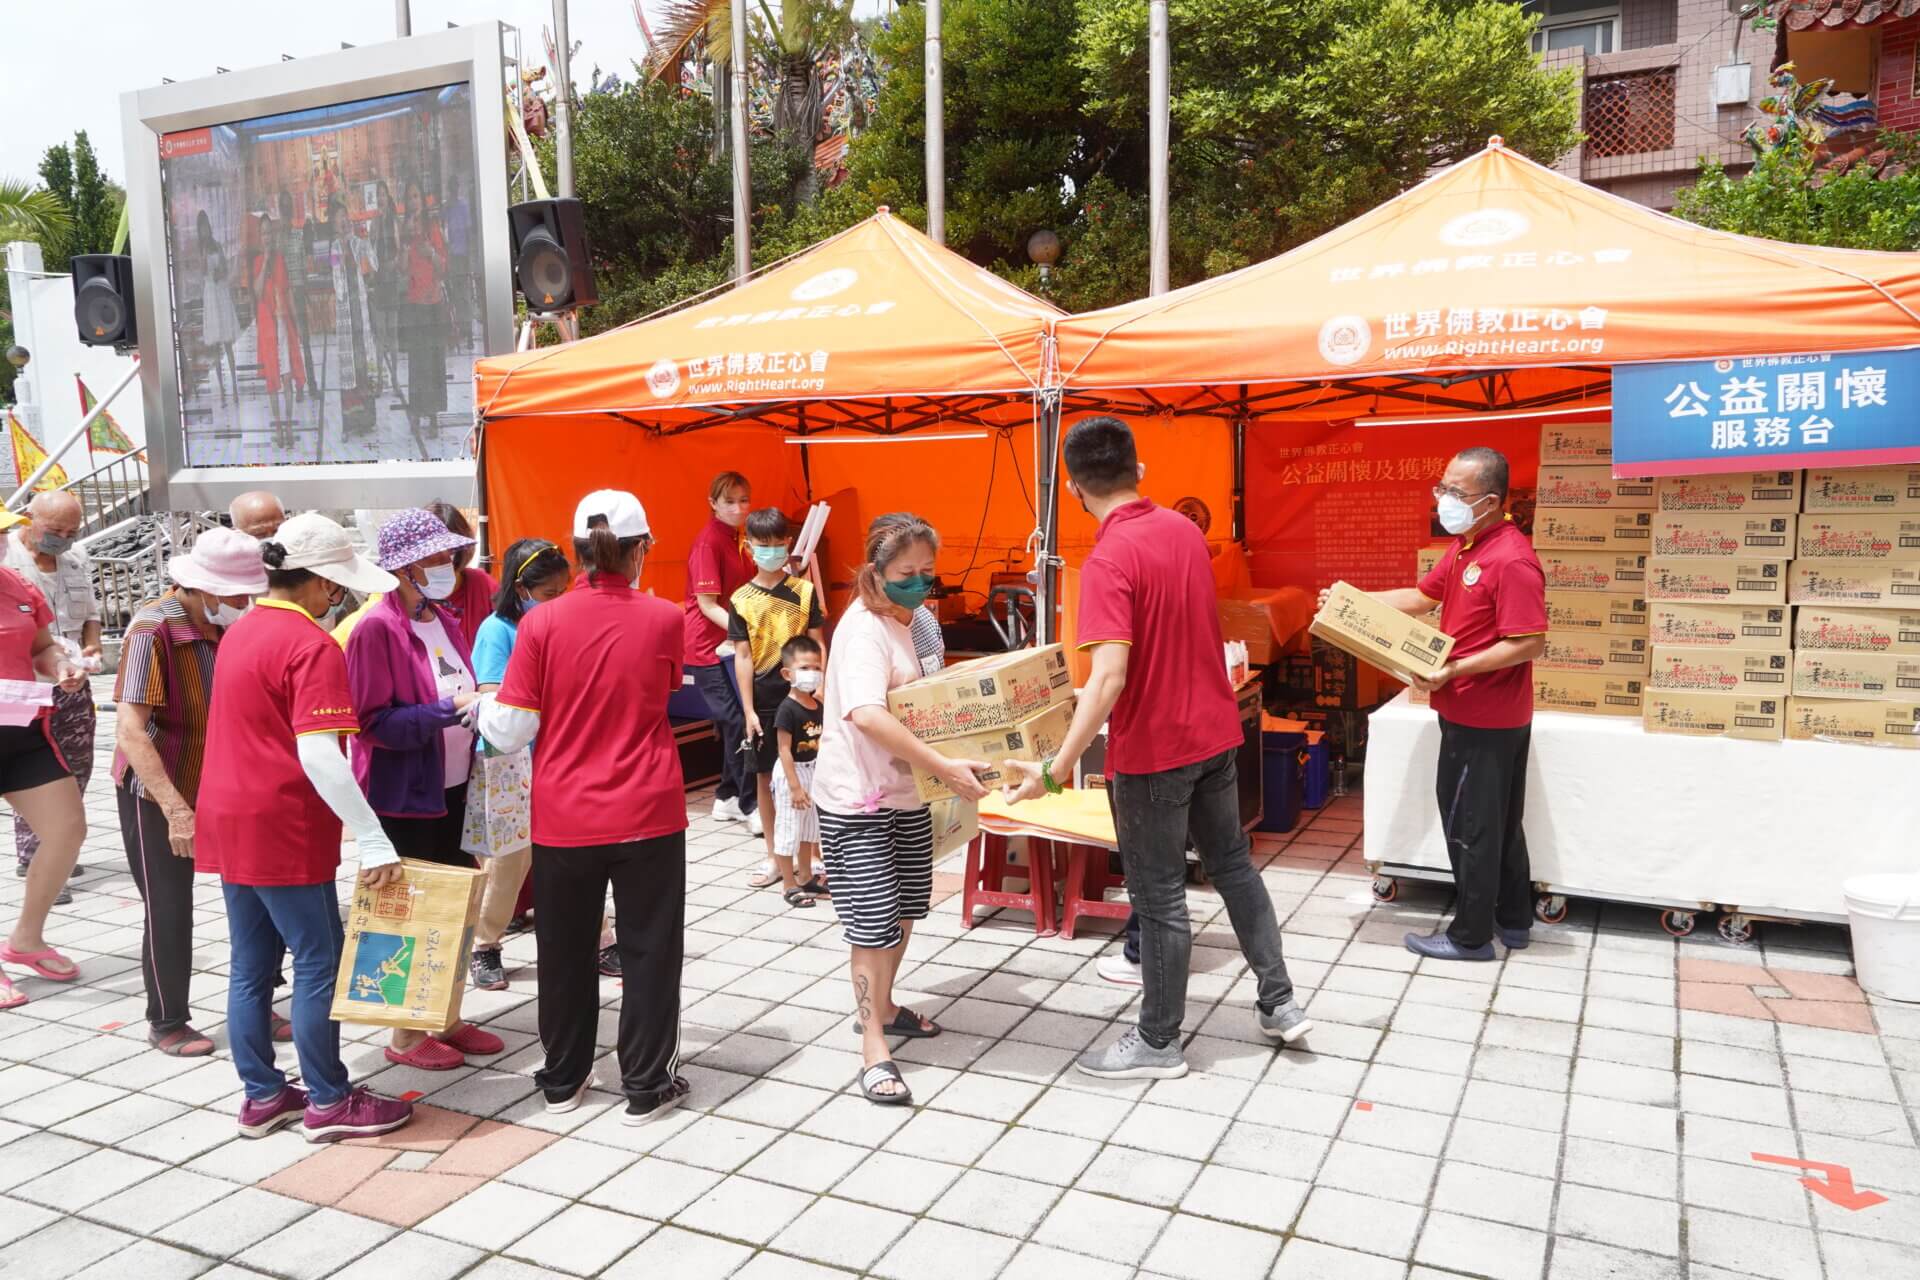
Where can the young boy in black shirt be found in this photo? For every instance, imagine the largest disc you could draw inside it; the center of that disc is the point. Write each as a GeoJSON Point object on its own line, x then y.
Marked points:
{"type": "Point", "coordinates": [796, 824]}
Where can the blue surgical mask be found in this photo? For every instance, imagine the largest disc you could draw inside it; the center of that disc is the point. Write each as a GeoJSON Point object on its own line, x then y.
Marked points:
{"type": "Point", "coordinates": [771, 558]}
{"type": "Point", "coordinates": [526, 605]}
{"type": "Point", "coordinates": [910, 593]}
{"type": "Point", "coordinates": [1456, 515]}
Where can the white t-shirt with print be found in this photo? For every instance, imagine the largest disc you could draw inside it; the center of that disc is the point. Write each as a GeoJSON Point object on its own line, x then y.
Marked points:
{"type": "Point", "coordinates": [452, 675]}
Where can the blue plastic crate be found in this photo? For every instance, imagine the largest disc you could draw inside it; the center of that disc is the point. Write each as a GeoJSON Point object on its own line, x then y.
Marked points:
{"type": "Point", "coordinates": [1282, 774]}
{"type": "Point", "coordinates": [1316, 774]}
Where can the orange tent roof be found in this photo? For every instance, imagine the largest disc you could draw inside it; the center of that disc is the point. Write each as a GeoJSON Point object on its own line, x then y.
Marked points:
{"type": "Point", "coordinates": [1497, 284]}
{"type": "Point", "coordinates": [879, 315]}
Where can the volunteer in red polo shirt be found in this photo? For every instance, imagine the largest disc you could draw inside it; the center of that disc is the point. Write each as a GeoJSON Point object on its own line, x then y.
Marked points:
{"type": "Point", "coordinates": [1149, 612]}
{"type": "Point", "coordinates": [716, 568]}
{"type": "Point", "coordinates": [592, 672]}
{"type": "Point", "coordinates": [1493, 602]}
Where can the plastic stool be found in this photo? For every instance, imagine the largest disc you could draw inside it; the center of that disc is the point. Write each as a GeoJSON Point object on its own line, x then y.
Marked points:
{"type": "Point", "coordinates": [1087, 881]}
{"type": "Point", "coordinates": [986, 877]}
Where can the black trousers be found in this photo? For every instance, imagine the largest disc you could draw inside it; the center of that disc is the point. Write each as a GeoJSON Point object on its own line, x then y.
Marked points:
{"type": "Point", "coordinates": [649, 879]}
{"type": "Point", "coordinates": [433, 839]}
{"type": "Point", "coordinates": [166, 889]}
{"type": "Point", "coordinates": [1482, 789]}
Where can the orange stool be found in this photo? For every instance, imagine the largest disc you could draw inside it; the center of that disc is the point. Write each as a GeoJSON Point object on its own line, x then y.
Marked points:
{"type": "Point", "coordinates": [986, 878]}
{"type": "Point", "coordinates": [1087, 880]}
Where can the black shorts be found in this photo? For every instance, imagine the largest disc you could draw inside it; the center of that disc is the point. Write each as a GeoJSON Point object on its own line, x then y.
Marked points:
{"type": "Point", "coordinates": [432, 839]}
{"type": "Point", "coordinates": [27, 759]}
{"type": "Point", "coordinates": [765, 750]}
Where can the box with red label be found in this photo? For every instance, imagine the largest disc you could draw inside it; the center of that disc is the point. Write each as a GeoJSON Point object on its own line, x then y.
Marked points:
{"type": "Point", "coordinates": [1715, 715]}
{"type": "Point", "coordinates": [1576, 444]}
{"type": "Point", "coordinates": [1882, 677]}
{"type": "Point", "coordinates": [1588, 693]}
{"type": "Point", "coordinates": [1735, 581]}
{"type": "Point", "coordinates": [1595, 611]}
{"type": "Point", "coordinates": [1893, 537]}
{"type": "Point", "coordinates": [1742, 492]}
{"type": "Point", "coordinates": [1857, 630]}
{"type": "Point", "coordinates": [1584, 486]}
{"type": "Point", "coordinates": [1720, 626]}
{"type": "Point", "coordinates": [1376, 633]}
{"type": "Point", "coordinates": [1033, 739]}
{"type": "Point", "coordinates": [1861, 586]}
{"type": "Point", "coordinates": [1868, 489]}
{"type": "Point", "coordinates": [1583, 651]}
{"type": "Point", "coordinates": [982, 694]}
{"type": "Point", "coordinates": [1883, 724]}
{"type": "Point", "coordinates": [1613, 571]}
{"type": "Point", "coordinates": [1719, 535]}
{"type": "Point", "coordinates": [1585, 529]}
{"type": "Point", "coordinates": [1696, 670]}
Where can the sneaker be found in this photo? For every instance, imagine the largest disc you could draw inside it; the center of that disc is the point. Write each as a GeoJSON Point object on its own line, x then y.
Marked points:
{"type": "Point", "coordinates": [361, 1114]}
{"type": "Point", "coordinates": [728, 811]}
{"type": "Point", "coordinates": [559, 1104]}
{"type": "Point", "coordinates": [1132, 1058]}
{"type": "Point", "coordinates": [485, 970]}
{"type": "Point", "coordinates": [1119, 970]}
{"type": "Point", "coordinates": [610, 962]}
{"type": "Point", "coordinates": [1438, 946]}
{"type": "Point", "coordinates": [1285, 1024]}
{"type": "Point", "coordinates": [258, 1119]}
{"type": "Point", "coordinates": [639, 1113]}
{"type": "Point", "coordinates": [755, 827]}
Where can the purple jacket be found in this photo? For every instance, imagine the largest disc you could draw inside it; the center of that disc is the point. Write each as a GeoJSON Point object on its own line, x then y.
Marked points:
{"type": "Point", "coordinates": [398, 755]}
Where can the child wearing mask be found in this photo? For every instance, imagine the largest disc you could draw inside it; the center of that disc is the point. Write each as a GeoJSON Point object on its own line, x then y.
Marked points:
{"type": "Point", "coordinates": [796, 725]}
{"type": "Point", "coordinates": [767, 611]}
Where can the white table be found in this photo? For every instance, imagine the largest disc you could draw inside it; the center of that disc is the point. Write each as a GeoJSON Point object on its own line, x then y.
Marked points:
{"type": "Point", "coordinates": [1766, 829]}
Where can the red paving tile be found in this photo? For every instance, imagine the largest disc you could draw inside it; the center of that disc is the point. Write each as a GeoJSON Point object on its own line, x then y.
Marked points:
{"type": "Point", "coordinates": [1716, 997]}
{"type": "Point", "coordinates": [1745, 975]}
{"type": "Point", "coordinates": [1819, 986]}
{"type": "Point", "coordinates": [1314, 835]}
{"type": "Point", "coordinates": [1338, 824]}
{"type": "Point", "coordinates": [432, 1129]}
{"type": "Point", "coordinates": [402, 1198]}
{"type": "Point", "coordinates": [327, 1175]}
{"type": "Point", "coordinates": [1831, 1014]}
{"type": "Point", "coordinates": [490, 1148]}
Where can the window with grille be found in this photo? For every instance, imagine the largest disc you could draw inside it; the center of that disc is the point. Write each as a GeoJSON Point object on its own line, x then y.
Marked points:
{"type": "Point", "coordinates": [1630, 114]}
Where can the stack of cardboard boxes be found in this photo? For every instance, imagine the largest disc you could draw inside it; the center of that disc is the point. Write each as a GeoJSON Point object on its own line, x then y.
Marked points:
{"type": "Point", "coordinates": [1007, 706]}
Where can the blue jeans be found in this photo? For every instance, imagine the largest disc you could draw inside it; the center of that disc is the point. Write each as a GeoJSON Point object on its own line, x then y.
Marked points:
{"type": "Point", "coordinates": [737, 780]}
{"type": "Point", "coordinates": [1154, 814]}
{"type": "Point", "coordinates": [304, 919]}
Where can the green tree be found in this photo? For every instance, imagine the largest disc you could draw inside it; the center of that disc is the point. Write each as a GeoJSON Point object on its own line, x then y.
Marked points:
{"type": "Point", "coordinates": [1788, 196]}
{"type": "Point", "coordinates": [25, 214]}
{"type": "Point", "coordinates": [73, 174]}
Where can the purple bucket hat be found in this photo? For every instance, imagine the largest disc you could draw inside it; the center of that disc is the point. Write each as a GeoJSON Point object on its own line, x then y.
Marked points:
{"type": "Point", "coordinates": [412, 536]}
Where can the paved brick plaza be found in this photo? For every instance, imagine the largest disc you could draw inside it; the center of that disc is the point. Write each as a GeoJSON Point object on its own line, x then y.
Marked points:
{"type": "Point", "coordinates": [1591, 1108]}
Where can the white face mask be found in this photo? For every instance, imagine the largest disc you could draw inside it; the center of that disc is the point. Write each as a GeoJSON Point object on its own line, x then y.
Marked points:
{"type": "Point", "coordinates": [1456, 516]}
{"type": "Point", "coordinates": [806, 681]}
{"type": "Point", "coordinates": [222, 614]}
{"type": "Point", "coordinates": [441, 580]}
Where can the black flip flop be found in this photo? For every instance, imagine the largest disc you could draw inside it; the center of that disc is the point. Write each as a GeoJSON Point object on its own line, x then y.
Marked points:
{"type": "Point", "coordinates": [905, 1023]}
{"type": "Point", "coordinates": [873, 1075]}
{"type": "Point", "coordinates": [814, 887]}
{"type": "Point", "coordinates": [796, 898]}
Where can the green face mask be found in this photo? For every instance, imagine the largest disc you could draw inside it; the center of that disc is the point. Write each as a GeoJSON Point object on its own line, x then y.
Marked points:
{"type": "Point", "coordinates": [910, 593]}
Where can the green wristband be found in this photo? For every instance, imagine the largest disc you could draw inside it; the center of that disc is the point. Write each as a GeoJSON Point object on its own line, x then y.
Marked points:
{"type": "Point", "coordinates": [1047, 779]}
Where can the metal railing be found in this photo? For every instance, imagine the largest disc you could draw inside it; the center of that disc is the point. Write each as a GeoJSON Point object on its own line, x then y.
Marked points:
{"type": "Point", "coordinates": [129, 561]}
{"type": "Point", "coordinates": [112, 491]}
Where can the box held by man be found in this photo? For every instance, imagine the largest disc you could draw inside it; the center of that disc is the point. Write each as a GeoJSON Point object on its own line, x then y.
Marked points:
{"type": "Point", "coordinates": [1036, 738]}
{"type": "Point", "coordinates": [1376, 633]}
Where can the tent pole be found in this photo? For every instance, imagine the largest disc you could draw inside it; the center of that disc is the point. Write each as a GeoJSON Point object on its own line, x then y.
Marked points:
{"type": "Point", "coordinates": [936, 130]}
{"type": "Point", "coordinates": [562, 100]}
{"type": "Point", "coordinates": [1157, 128]}
{"type": "Point", "coordinates": [481, 552]}
{"type": "Point", "coordinates": [742, 169]}
{"type": "Point", "coordinates": [1240, 479]}
{"type": "Point", "coordinates": [1047, 564]}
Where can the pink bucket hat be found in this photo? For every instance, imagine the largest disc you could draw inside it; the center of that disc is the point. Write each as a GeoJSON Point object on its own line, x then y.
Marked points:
{"type": "Point", "coordinates": [412, 536]}
{"type": "Point", "coordinates": [223, 562]}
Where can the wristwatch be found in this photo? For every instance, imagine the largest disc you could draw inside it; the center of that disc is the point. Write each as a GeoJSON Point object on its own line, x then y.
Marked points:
{"type": "Point", "coordinates": [1047, 779]}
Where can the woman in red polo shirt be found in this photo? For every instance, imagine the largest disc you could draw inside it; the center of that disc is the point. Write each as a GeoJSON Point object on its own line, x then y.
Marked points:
{"type": "Point", "coordinates": [592, 672]}
{"type": "Point", "coordinates": [716, 568]}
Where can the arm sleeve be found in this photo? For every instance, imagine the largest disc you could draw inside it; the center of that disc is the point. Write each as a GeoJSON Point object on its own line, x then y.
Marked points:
{"type": "Point", "coordinates": [317, 691]}
{"type": "Point", "coordinates": [1520, 600]}
{"type": "Point", "coordinates": [506, 729]}
{"type": "Point", "coordinates": [703, 569]}
{"type": "Point", "coordinates": [142, 678]}
{"type": "Point", "coordinates": [491, 649]}
{"type": "Point", "coordinates": [326, 768]}
{"type": "Point", "coordinates": [398, 726]}
{"type": "Point", "coordinates": [860, 669]}
{"type": "Point", "coordinates": [1106, 605]}
{"type": "Point", "coordinates": [736, 625]}
{"type": "Point", "coordinates": [1434, 585]}
{"type": "Point", "coordinates": [816, 616]}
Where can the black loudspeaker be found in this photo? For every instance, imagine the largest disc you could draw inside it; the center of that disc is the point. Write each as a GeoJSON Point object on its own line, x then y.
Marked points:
{"type": "Point", "coordinates": [103, 300]}
{"type": "Point", "coordinates": [552, 264]}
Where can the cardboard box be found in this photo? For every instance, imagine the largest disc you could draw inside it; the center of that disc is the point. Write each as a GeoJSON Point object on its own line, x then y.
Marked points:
{"type": "Point", "coordinates": [1613, 571]}
{"type": "Point", "coordinates": [1034, 738]}
{"type": "Point", "coordinates": [1887, 724]}
{"type": "Point", "coordinates": [1866, 677]}
{"type": "Point", "coordinates": [1864, 489]}
{"type": "Point", "coordinates": [1584, 529]}
{"type": "Point", "coordinates": [1576, 444]}
{"type": "Point", "coordinates": [1244, 617]}
{"type": "Point", "coordinates": [995, 692]}
{"type": "Point", "coordinates": [1583, 651]}
{"type": "Point", "coordinates": [1750, 671]}
{"type": "Point", "coordinates": [404, 963]}
{"type": "Point", "coordinates": [1742, 492]}
{"type": "Point", "coordinates": [1587, 693]}
{"type": "Point", "coordinates": [1720, 626]}
{"type": "Point", "coordinates": [1735, 581]}
{"type": "Point", "coordinates": [1860, 538]}
{"type": "Point", "coordinates": [1717, 535]}
{"type": "Point", "coordinates": [1586, 486]}
{"type": "Point", "coordinates": [1597, 612]}
{"type": "Point", "coordinates": [1362, 625]}
{"type": "Point", "coordinates": [1860, 586]}
{"type": "Point", "coordinates": [1715, 715]}
{"type": "Point", "coordinates": [1818, 627]}
{"type": "Point", "coordinates": [1427, 559]}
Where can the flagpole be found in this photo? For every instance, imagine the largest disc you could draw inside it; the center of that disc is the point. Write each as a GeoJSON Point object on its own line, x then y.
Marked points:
{"type": "Point", "coordinates": [73, 437]}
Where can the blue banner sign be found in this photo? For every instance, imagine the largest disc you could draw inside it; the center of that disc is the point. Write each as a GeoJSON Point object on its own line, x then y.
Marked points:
{"type": "Point", "coordinates": [1758, 413]}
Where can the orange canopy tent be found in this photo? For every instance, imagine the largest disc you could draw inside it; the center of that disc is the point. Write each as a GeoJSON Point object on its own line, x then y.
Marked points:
{"type": "Point", "coordinates": [877, 371]}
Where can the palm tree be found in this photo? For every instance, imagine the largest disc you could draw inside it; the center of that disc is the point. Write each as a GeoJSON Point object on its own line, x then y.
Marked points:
{"type": "Point", "coordinates": [788, 47]}
{"type": "Point", "coordinates": [29, 214]}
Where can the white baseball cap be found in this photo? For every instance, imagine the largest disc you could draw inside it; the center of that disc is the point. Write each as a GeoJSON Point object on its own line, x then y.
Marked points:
{"type": "Point", "coordinates": [318, 545]}
{"type": "Point", "coordinates": [619, 510]}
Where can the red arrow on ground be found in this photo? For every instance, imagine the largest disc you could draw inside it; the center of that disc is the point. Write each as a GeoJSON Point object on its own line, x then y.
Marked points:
{"type": "Point", "coordinates": [1839, 1184]}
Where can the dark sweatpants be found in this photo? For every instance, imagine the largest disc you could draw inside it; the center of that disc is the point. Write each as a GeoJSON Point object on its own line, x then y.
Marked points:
{"type": "Point", "coordinates": [1482, 788]}
{"type": "Point", "coordinates": [165, 883]}
{"type": "Point", "coordinates": [649, 880]}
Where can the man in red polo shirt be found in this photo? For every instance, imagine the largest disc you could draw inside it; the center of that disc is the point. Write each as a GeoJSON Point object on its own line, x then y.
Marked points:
{"type": "Point", "coordinates": [1493, 602]}
{"type": "Point", "coordinates": [1150, 614]}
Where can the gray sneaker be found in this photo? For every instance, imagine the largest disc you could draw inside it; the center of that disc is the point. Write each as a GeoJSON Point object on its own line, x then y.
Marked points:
{"type": "Point", "coordinates": [1286, 1024]}
{"type": "Point", "coordinates": [1132, 1058]}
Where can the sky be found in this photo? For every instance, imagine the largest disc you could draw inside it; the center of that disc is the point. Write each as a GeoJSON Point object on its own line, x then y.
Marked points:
{"type": "Point", "coordinates": [68, 61]}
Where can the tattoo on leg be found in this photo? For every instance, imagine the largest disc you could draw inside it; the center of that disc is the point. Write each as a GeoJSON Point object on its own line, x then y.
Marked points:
{"type": "Point", "coordinates": [863, 1014]}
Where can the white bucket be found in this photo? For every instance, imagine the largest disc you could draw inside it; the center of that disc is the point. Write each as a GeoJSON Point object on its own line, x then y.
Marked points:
{"type": "Point", "coordinates": [1884, 911]}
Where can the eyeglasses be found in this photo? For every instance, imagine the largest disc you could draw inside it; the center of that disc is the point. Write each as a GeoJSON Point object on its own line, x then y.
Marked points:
{"type": "Point", "coordinates": [1448, 491]}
